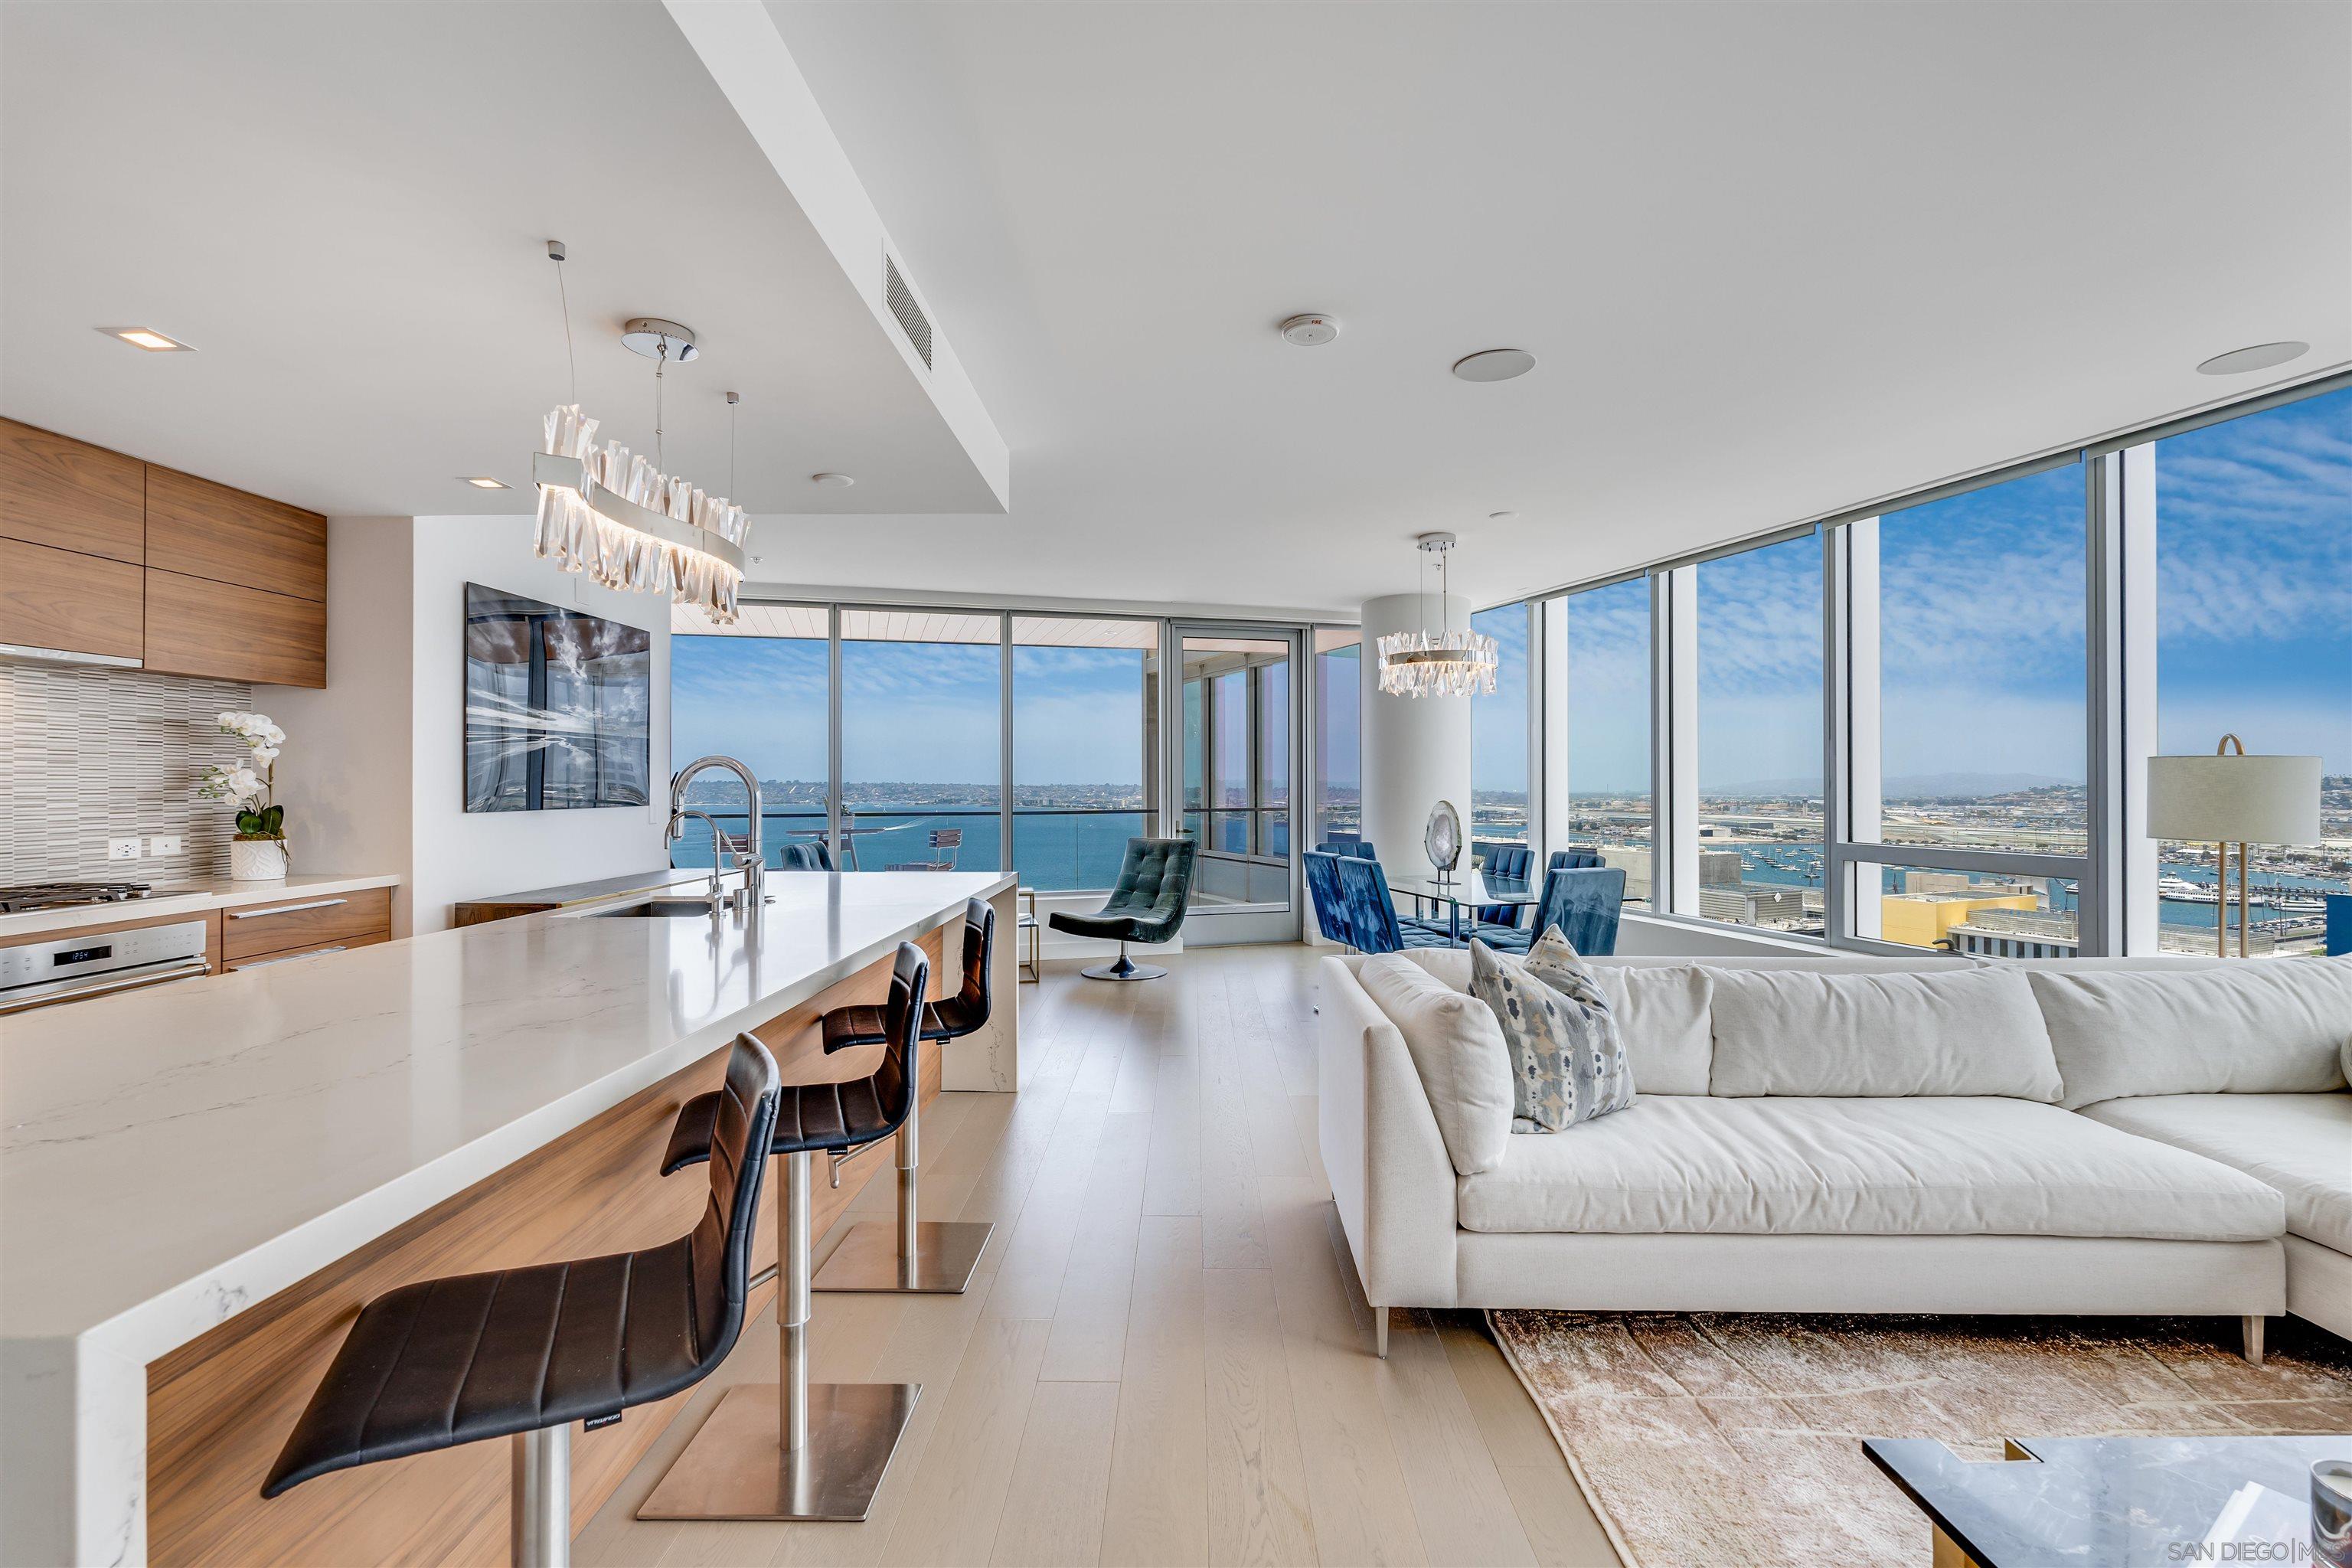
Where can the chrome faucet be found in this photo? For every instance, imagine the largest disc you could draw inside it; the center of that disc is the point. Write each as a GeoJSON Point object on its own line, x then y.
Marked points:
{"type": "Point", "coordinates": [720, 845]}
{"type": "Point", "coordinates": [751, 861]}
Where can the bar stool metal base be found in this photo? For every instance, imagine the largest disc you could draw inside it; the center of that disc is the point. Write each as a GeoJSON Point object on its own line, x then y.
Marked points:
{"type": "Point", "coordinates": [734, 1469]}
{"type": "Point", "coordinates": [946, 1252]}
{"type": "Point", "coordinates": [1125, 969]}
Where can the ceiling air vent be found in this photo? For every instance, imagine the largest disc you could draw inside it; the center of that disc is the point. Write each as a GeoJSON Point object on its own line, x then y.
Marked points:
{"type": "Point", "coordinates": [911, 319]}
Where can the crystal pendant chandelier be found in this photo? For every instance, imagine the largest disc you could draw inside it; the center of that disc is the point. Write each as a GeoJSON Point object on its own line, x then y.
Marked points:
{"type": "Point", "coordinates": [1442, 663]}
{"type": "Point", "coordinates": [612, 514]}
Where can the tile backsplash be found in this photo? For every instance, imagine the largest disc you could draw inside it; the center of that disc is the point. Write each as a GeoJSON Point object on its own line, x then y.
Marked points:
{"type": "Point", "coordinates": [92, 754]}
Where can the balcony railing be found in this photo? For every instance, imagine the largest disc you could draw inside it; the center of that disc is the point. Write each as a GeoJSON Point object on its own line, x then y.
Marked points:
{"type": "Point", "coordinates": [1056, 848]}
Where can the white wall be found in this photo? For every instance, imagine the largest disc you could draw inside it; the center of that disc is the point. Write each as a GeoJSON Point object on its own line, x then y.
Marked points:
{"type": "Point", "coordinates": [1416, 750]}
{"type": "Point", "coordinates": [1650, 936]}
{"type": "Point", "coordinates": [457, 854]}
{"type": "Point", "coordinates": [374, 769]}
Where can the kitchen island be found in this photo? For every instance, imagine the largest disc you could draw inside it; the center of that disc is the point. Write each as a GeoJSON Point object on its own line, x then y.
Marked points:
{"type": "Point", "coordinates": [268, 1147]}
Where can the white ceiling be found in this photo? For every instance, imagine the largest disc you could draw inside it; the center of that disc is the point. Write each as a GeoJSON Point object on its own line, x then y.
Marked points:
{"type": "Point", "coordinates": [344, 207]}
{"type": "Point", "coordinates": [1775, 261]}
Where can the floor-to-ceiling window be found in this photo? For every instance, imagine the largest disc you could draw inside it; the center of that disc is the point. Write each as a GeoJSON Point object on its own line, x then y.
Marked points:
{"type": "Point", "coordinates": [2254, 569]}
{"type": "Point", "coordinates": [1605, 669]}
{"type": "Point", "coordinates": [1236, 766]}
{"type": "Point", "coordinates": [1757, 838]}
{"type": "Point", "coordinates": [1083, 774]}
{"type": "Point", "coordinates": [1972, 604]}
{"type": "Point", "coordinates": [922, 740]}
{"type": "Point", "coordinates": [1338, 740]}
{"type": "Point", "coordinates": [1498, 731]}
{"type": "Point", "coordinates": [758, 694]}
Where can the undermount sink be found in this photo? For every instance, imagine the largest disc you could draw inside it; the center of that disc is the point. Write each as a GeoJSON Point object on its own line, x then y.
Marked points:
{"type": "Point", "coordinates": [658, 908]}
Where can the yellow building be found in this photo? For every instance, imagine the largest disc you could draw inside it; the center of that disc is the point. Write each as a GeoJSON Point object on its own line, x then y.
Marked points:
{"type": "Point", "coordinates": [1926, 920]}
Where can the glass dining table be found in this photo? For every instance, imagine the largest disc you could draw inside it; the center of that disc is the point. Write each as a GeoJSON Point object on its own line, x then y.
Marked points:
{"type": "Point", "coordinates": [1471, 890]}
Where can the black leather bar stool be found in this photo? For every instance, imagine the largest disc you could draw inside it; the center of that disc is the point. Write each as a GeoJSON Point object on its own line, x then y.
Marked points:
{"type": "Point", "coordinates": [524, 1352]}
{"type": "Point", "coordinates": [922, 1256]}
{"type": "Point", "coordinates": [798, 1449]}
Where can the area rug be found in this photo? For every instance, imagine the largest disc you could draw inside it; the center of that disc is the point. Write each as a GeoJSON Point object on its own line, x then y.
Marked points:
{"type": "Point", "coordinates": [1706, 1439]}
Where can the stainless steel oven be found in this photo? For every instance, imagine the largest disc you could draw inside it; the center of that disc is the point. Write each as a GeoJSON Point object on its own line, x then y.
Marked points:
{"type": "Point", "coordinates": [70, 967]}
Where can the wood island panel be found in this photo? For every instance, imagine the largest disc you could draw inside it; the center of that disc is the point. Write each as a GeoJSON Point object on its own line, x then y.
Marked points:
{"type": "Point", "coordinates": [219, 1407]}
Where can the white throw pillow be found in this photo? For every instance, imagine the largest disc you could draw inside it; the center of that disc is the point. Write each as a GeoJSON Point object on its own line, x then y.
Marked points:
{"type": "Point", "coordinates": [2279, 1025]}
{"type": "Point", "coordinates": [1457, 1047]}
{"type": "Point", "coordinates": [1950, 1031]}
{"type": "Point", "coordinates": [1663, 1015]}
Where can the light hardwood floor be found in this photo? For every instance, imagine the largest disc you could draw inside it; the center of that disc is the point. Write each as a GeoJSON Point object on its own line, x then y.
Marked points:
{"type": "Point", "coordinates": [1164, 1357]}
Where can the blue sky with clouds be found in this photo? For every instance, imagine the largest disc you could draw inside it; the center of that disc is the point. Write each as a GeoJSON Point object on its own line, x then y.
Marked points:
{"type": "Point", "coordinates": [1980, 640]}
{"type": "Point", "coordinates": [1981, 625]}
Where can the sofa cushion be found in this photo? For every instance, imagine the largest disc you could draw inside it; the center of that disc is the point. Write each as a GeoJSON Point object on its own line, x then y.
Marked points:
{"type": "Point", "coordinates": [2299, 1144]}
{"type": "Point", "coordinates": [2276, 1026]}
{"type": "Point", "coordinates": [1963, 1031]}
{"type": "Point", "coordinates": [1663, 1017]}
{"type": "Point", "coordinates": [1568, 1065]}
{"type": "Point", "coordinates": [1457, 1048]}
{"type": "Point", "coordinates": [1927, 1166]}
{"type": "Point", "coordinates": [1661, 1008]}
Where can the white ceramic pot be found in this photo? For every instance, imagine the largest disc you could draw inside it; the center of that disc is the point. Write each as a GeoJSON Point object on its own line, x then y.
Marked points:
{"type": "Point", "coordinates": [256, 860]}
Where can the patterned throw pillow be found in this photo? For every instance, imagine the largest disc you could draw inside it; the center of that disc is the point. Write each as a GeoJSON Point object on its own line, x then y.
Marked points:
{"type": "Point", "coordinates": [1568, 1061]}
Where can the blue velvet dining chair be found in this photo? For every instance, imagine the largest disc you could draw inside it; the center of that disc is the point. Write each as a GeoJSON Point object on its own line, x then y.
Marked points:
{"type": "Point", "coordinates": [1361, 848]}
{"type": "Point", "coordinates": [1371, 916]}
{"type": "Point", "coordinates": [1512, 860]}
{"type": "Point", "coordinates": [1584, 902]}
{"type": "Point", "coordinates": [1323, 889]}
{"type": "Point", "coordinates": [806, 855]}
{"type": "Point", "coordinates": [1575, 859]}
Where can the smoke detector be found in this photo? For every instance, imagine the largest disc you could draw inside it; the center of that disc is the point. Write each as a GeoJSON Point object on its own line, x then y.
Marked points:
{"type": "Point", "coordinates": [1311, 331]}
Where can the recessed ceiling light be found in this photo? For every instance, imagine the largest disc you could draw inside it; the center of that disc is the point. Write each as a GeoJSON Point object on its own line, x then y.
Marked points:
{"type": "Point", "coordinates": [1501, 516]}
{"type": "Point", "coordinates": [148, 338]}
{"type": "Point", "coordinates": [483, 482]}
{"type": "Point", "coordinates": [1311, 330]}
{"type": "Point", "coordinates": [2261, 356]}
{"type": "Point", "coordinates": [1495, 365]}
{"type": "Point", "coordinates": [832, 481]}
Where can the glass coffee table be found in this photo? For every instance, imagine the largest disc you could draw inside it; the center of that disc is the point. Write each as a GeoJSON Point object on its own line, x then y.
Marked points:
{"type": "Point", "coordinates": [1470, 890]}
{"type": "Point", "coordinates": [2113, 1502]}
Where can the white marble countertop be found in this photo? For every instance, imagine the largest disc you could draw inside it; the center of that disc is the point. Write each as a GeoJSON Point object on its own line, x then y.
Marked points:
{"type": "Point", "coordinates": [171, 1155]}
{"type": "Point", "coordinates": [186, 896]}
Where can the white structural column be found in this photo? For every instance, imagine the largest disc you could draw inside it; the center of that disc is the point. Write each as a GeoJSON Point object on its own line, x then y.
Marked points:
{"type": "Point", "coordinates": [1416, 750]}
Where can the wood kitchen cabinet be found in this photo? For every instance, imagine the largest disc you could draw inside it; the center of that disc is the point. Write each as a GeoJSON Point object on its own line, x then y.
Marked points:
{"type": "Point", "coordinates": [69, 495]}
{"type": "Point", "coordinates": [100, 553]}
{"type": "Point", "coordinates": [195, 626]}
{"type": "Point", "coordinates": [75, 603]}
{"type": "Point", "coordinates": [199, 528]}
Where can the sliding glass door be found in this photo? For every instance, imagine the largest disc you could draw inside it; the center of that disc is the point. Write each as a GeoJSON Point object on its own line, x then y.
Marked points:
{"type": "Point", "coordinates": [1236, 711]}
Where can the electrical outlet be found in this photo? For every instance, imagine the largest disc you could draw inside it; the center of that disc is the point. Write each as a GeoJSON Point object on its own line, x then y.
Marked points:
{"type": "Point", "coordinates": [164, 844]}
{"type": "Point", "coordinates": [123, 849]}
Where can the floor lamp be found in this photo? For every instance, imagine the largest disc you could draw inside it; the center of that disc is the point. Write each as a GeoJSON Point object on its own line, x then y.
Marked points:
{"type": "Point", "coordinates": [2231, 798]}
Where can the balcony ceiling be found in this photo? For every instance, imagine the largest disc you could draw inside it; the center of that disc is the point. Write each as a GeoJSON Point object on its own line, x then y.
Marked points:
{"type": "Point", "coordinates": [1774, 259]}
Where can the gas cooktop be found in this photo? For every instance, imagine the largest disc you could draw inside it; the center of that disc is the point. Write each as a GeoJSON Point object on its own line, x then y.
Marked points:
{"type": "Point", "coordinates": [64, 895]}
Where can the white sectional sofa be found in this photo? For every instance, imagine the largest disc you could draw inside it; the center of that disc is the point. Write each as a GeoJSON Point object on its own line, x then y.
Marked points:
{"type": "Point", "coordinates": [1852, 1134]}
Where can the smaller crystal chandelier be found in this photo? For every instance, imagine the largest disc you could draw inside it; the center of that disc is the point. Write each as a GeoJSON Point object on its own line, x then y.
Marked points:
{"type": "Point", "coordinates": [1444, 663]}
{"type": "Point", "coordinates": [610, 514]}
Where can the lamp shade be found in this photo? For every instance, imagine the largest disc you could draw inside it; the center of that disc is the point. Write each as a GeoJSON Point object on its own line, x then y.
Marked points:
{"type": "Point", "coordinates": [2233, 799]}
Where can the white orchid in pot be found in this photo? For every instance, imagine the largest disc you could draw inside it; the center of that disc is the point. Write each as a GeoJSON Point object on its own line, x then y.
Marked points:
{"type": "Point", "coordinates": [257, 853]}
